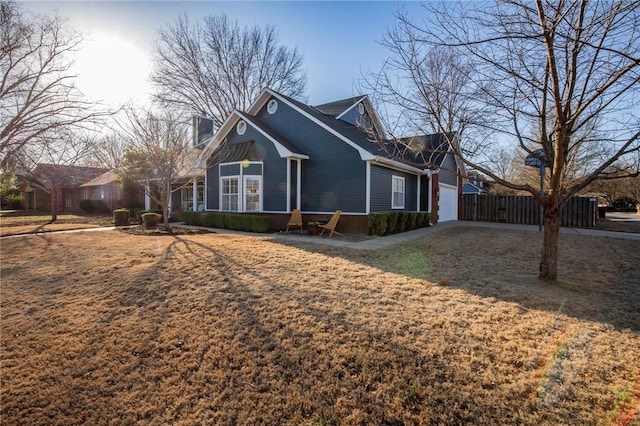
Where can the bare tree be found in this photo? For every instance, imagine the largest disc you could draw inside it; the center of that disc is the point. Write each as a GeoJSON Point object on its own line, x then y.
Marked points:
{"type": "Point", "coordinates": [213, 67]}
{"type": "Point", "coordinates": [37, 93]}
{"type": "Point", "coordinates": [549, 75]}
{"type": "Point", "coordinates": [109, 151]}
{"type": "Point", "coordinates": [57, 164]}
{"type": "Point", "coordinates": [611, 189]}
{"type": "Point", "coordinates": [158, 157]}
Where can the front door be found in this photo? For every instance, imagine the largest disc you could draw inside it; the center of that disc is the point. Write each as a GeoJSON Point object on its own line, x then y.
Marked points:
{"type": "Point", "coordinates": [252, 199]}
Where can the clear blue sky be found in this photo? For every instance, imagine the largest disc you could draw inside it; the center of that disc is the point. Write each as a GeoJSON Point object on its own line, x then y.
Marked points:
{"type": "Point", "coordinates": [339, 40]}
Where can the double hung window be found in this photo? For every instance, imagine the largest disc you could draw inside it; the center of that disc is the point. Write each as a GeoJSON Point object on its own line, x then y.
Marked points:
{"type": "Point", "coordinates": [230, 194]}
{"type": "Point", "coordinates": [397, 192]}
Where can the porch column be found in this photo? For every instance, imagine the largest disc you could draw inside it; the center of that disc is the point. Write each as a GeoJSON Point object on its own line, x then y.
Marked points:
{"type": "Point", "coordinates": [289, 184]}
{"type": "Point", "coordinates": [147, 198]}
{"type": "Point", "coordinates": [194, 189]}
{"type": "Point", "coordinates": [418, 198]}
{"type": "Point", "coordinates": [367, 180]}
{"type": "Point", "coordinates": [298, 183]}
{"type": "Point", "coordinates": [430, 191]}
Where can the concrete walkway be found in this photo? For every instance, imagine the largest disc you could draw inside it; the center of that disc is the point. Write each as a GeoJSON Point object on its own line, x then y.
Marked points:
{"type": "Point", "coordinates": [374, 243]}
{"type": "Point", "coordinates": [380, 242]}
{"type": "Point", "coordinates": [66, 231]}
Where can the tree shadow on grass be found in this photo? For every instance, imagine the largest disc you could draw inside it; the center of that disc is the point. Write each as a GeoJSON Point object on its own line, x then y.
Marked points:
{"type": "Point", "coordinates": [599, 278]}
{"type": "Point", "coordinates": [233, 337]}
{"type": "Point", "coordinates": [310, 328]}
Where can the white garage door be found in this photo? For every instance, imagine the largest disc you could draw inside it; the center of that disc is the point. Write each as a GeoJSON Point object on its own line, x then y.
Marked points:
{"type": "Point", "coordinates": [448, 203]}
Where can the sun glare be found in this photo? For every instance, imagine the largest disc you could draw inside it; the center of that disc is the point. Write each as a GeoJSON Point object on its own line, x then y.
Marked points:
{"type": "Point", "coordinates": [113, 69]}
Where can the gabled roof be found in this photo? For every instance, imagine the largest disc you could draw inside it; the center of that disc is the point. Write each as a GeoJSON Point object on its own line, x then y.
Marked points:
{"type": "Point", "coordinates": [187, 168]}
{"type": "Point", "coordinates": [104, 179]}
{"type": "Point", "coordinates": [64, 175]}
{"type": "Point", "coordinates": [470, 188]}
{"type": "Point", "coordinates": [337, 108]}
{"type": "Point", "coordinates": [283, 146]}
{"type": "Point", "coordinates": [426, 150]}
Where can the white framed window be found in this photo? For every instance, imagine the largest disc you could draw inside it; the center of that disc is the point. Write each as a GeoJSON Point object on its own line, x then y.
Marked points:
{"type": "Point", "coordinates": [67, 202]}
{"type": "Point", "coordinates": [229, 193]}
{"type": "Point", "coordinates": [252, 190]}
{"type": "Point", "coordinates": [397, 192]}
{"type": "Point", "coordinates": [187, 198]}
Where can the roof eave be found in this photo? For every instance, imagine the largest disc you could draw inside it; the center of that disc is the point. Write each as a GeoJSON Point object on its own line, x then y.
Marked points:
{"type": "Point", "coordinates": [398, 165]}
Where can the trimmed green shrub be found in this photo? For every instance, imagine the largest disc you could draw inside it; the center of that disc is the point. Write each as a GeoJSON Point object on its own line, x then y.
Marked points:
{"type": "Point", "coordinates": [412, 219]}
{"type": "Point", "coordinates": [140, 213]}
{"type": "Point", "coordinates": [403, 220]}
{"type": "Point", "coordinates": [260, 224]}
{"type": "Point", "coordinates": [90, 206]}
{"type": "Point", "coordinates": [121, 217]}
{"type": "Point", "coordinates": [392, 221]}
{"type": "Point", "coordinates": [150, 220]}
{"type": "Point", "coordinates": [385, 223]}
{"type": "Point", "coordinates": [191, 218]}
{"type": "Point", "coordinates": [377, 224]}
{"type": "Point", "coordinates": [211, 220]}
{"type": "Point", "coordinates": [235, 221]}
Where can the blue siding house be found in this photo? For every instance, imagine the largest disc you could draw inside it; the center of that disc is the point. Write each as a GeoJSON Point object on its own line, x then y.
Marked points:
{"type": "Point", "coordinates": [282, 154]}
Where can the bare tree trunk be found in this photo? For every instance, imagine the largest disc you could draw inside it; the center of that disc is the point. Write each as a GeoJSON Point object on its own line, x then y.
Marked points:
{"type": "Point", "coordinates": [54, 205]}
{"type": "Point", "coordinates": [165, 205]}
{"type": "Point", "coordinates": [549, 255]}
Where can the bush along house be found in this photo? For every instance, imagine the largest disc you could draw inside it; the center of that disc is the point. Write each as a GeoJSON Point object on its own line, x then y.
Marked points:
{"type": "Point", "coordinates": [281, 154]}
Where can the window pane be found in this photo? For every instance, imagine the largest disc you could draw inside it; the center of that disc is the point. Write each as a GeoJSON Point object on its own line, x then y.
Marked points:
{"type": "Point", "coordinates": [229, 194]}
{"type": "Point", "coordinates": [252, 194]}
{"type": "Point", "coordinates": [397, 192]}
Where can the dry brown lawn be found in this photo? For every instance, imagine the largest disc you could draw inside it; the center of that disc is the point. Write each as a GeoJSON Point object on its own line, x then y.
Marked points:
{"type": "Point", "coordinates": [18, 223]}
{"type": "Point", "coordinates": [111, 328]}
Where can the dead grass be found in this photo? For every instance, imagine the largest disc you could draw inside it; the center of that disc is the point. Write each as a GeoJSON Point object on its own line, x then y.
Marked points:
{"type": "Point", "coordinates": [111, 328]}
{"type": "Point", "coordinates": [17, 223]}
{"type": "Point", "coordinates": [618, 226]}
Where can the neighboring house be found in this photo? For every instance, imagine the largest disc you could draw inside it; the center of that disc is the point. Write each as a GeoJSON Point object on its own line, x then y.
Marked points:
{"type": "Point", "coordinates": [282, 154]}
{"type": "Point", "coordinates": [37, 187]}
{"type": "Point", "coordinates": [475, 184]}
{"type": "Point", "coordinates": [472, 188]}
{"type": "Point", "coordinates": [107, 188]}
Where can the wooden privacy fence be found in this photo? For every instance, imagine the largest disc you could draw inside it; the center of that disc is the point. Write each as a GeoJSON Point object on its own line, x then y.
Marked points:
{"type": "Point", "coordinates": [579, 212]}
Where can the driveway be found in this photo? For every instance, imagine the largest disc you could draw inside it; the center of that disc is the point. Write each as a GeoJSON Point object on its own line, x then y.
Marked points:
{"type": "Point", "coordinates": [623, 217]}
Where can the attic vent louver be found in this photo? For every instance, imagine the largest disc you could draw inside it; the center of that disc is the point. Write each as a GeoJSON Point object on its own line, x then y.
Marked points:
{"type": "Point", "coordinates": [272, 106]}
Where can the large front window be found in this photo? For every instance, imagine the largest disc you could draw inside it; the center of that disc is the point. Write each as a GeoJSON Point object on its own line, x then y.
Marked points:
{"type": "Point", "coordinates": [230, 194]}
{"type": "Point", "coordinates": [187, 198]}
{"type": "Point", "coordinates": [397, 192]}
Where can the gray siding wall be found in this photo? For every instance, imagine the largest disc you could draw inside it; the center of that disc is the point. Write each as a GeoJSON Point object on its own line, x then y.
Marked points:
{"type": "Point", "coordinates": [212, 188]}
{"type": "Point", "coordinates": [447, 173]}
{"type": "Point", "coordinates": [176, 200]}
{"type": "Point", "coordinates": [230, 170]}
{"type": "Point", "coordinates": [354, 117]}
{"type": "Point", "coordinates": [381, 179]}
{"type": "Point", "coordinates": [294, 184]}
{"type": "Point", "coordinates": [273, 171]}
{"type": "Point", "coordinates": [334, 176]}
